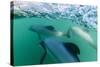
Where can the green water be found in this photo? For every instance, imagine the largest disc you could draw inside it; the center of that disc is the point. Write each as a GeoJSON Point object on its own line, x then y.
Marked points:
{"type": "Point", "coordinates": [27, 50]}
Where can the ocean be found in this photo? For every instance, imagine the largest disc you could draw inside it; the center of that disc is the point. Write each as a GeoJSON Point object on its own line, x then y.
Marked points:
{"type": "Point", "coordinates": [26, 47]}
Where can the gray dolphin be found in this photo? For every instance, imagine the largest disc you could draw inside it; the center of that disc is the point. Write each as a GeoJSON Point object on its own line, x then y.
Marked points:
{"type": "Point", "coordinates": [49, 30]}
{"type": "Point", "coordinates": [63, 52]}
{"type": "Point", "coordinates": [82, 33]}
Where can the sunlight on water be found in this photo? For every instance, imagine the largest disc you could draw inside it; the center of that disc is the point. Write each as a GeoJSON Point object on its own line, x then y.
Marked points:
{"type": "Point", "coordinates": [83, 15]}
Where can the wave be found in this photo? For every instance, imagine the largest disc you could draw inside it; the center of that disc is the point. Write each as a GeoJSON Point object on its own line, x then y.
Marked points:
{"type": "Point", "coordinates": [80, 14]}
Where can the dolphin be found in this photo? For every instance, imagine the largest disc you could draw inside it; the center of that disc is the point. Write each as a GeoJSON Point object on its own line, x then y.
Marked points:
{"type": "Point", "coordinates": [67, 53]}
{"type": "Point", "coordinates": [63, 52]}
{"type": "Point", "coordinates": [83, 34]}
{"type": "Point", "coordinates": [48, 30]}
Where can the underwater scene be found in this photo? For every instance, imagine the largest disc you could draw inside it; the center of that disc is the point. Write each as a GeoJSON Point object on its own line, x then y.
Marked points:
{"type": "Point", "coordinates": [50, 33]}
